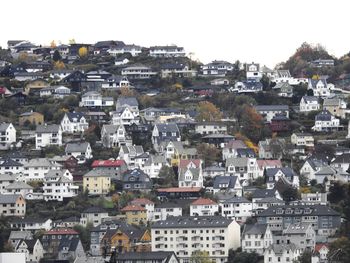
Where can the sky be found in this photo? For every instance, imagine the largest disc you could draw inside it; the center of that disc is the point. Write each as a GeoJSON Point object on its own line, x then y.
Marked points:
{"type": "Point", "coordinates": [261, 31]}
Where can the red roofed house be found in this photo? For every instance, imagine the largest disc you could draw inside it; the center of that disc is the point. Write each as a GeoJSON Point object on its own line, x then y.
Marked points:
{"type": "Point", "coordinates": [145, 203]}
{"type": "Point", "coordinates": [135, 214]}
{"type": "Point", "coordinates": [204, 207]}
{"type": "Point", "coordinates": [52, 238]}
{"type": "Point", "coordinates": [320, 254]}
{"type": "Point", "coordinates": [118, 165]}
{"type": "Point", "coordinates": [4, 92]}
{"type": "Point", "coordinates": [194, 163]}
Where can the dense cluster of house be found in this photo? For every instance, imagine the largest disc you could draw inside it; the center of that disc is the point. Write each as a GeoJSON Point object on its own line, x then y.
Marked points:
{"type": "Point", "coordinates": [180, 221]}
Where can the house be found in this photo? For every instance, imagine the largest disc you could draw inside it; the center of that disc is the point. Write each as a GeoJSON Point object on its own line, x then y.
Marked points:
{"type": "Point", "coordinates": [32, 248]}
{"type": "Point", "coordinates": [34, 118]}
{"type": "Point", "coordinates": [94, 215]}
{"type": "Point", "coordinates": [205, 128]}
{"type": "Point", "coordinates": [31, 224]}
{"type": "Point", "coordinates": [113, 136]}
{"type": "Point", "coordinates": [191, 177]}
{"type": "Point", "coordinates": [337, 106]}
{"type": "Point", "coordinates": [247, 86]}
{"type": "Point", "coordinates": [93, 99]}
{"type": "Point", "coordinates": [59, 74]}
{"type": "Point", "coordinates": [231, 148]}
{"type": "Point", "coordinates": [165, 132]}
{"type": "Point", "coordinates": [115, 82]}
{"type": "Point", "coordinates": [137, 72]}
{"type": "Point", "coordinates": [12, 205]}
{"type": "Point", "coordinates": [264, 164]}
{"type": "Point", "coordinates": [271, 148]}
{"type": "Point", "coordinates": [324, 219]}
{"type": "Point", "coordinates": [284, 89]}
{"type": "Point", "coordinates": [309, 103]}
{"type": "Point", "coordinates": [74, 80]}
{"type": "Point", "coordinates": [147, 204]}
{"type": "Point", "coordinates": [302, 139]}
{"type": "Point", "coordinates": [135, 214]}
{"type": "Point", "coordinates": [237, 208]}
{"type": "Point", "coordinates": [261, 204]}
{"type": "Point", "coordinates": [281, 253]}
{"type": "Point", "coordinates": [227, 184]}
{"type": "Point", "coordinates": [341, 162]}
{"type": "Point", "coordinates": [165, 209]}
{"type": "Point", "coordinates": [7, 135]}
{"type": "Point", "coordinates": [314, 198]}
{"type": "Point", "coordinates": [260, 194]}
{"type": "Point", "coordinates": [216, 68]}
{"type": "Point", "coordinates": [272, 175]}
{"type": "Point", "coordinates": [220, 82]}
{"type": "Point", "coordinates": [253, 71]}
{"type": "Point", "coordinates": [121, 61]}
{"type": "Point", "coordinates": [58, 185]}
{"type": "Point", "coordinates": [218, 140]}
{"type": "Point", "coordinates": [48, 135]}
{"type": "Point", "coordinates": [81, 151]}
{"type": "Point", "coordinates": [153, 165]}
{"type": "Point", "coordinates": [172, 51]}
{"type": "Point", "coordinates": [133, 50]}
{"type": "Point", "coordinates": [280, 123]}
{"type": "Point", "coordinates": [136, 180]}
{"type": "Point", "coordinates": [270, 111]}
{"type": "Point", "coordinates": [184, 235]}
{"type": "Point", "coordinates": [129, 153]}
{"type": "Point", "coordinates": [325, 121]}
{"type": "Point", "coordinates": [242, 167]}
{"type": "Point", "coordinates": [16, 236]}
{"type": "Point", "coordinates": [320, 87]}
{"type": "Point", "coordinates": [176, 70]}
{"type": "Point", "coordinates": [204, 207]}
{"type": "Point", "coordinates": [320, 253]}
{"type": "Point", "coordinates": [180, 153]}
{"type": "Point", "coordinates": [145, 257]}
{"type": "Point", "coordinates": [96, 116]}
{"type": "Point", "coordinates": [310, 167]}
{"type": "Point", "coordinates": [256, 238]}
{"type": "Point", "coordinates": [127, 111]}
{"type": "Point", "coordinates": [71, 249]}
{"type": "Point", "coordinates": [37, 168]}
{"type": "Point", "coordinates": [119, 166]}
{"type": "Point", "coordinates": [18, 188]}
{"type": "Point", "coordinates": [97, 182]}
{"type": "Point", "coordinates": [73, 122]}
{"type": "Point", "coordinates": [301, 234]}
{"type": "Point", "coordinates": [9, 166]}
{"type": "Point", "coordinates": [213, 171]}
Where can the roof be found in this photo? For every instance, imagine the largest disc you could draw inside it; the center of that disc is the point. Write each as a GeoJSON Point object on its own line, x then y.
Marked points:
{"type": "Point", "coordinates": [324, 115]}
{"type": "Point", "coordinates": [344, 158]}
{"type": "Point", "coordinates": [310, 99]}
{"type": "Point", "coordinates": [110, 128]}
{"type": "Point", "coordinates": [332, 102]}
{"type": "Point", "coordinates": [75, 115]}
{"type": "Point", "coordinates": [9, 199]}
{"type": "Point", "coordinates": [108, 163]}
{"type": "Point", "coordinates": [179, 189]}
{"type": "Point", "coordinates": [185, 162]}
{"type": "Point", "coordinates": [41, 162]}
{"type": "Point", "coordinates": [141, 201]}
{"type": "Point", "coordinates": [262, 193]}
{"type": "Point", "coordinates": [297, 228]}
{"type": "Point", "coordinates": [272, 108]}
{"type": "Point", "coordinates": [316, 210]}
{"type": "Point", "coordinates": [4, 126]}
{"type": "Point", "coordinates": [28, 220]}
{"type": "Point", "coordinates": [256, 229]}
{"type": "Point", "coordinates": [287, 171]}
{"type": "Point", "coordinates": [52, 128]}
{"type": "Point", "coordinates": [130, 208]}
{"type": "Point", "coordinates": [220, 180]}
{"type": "Point", "coordinates": [30, 244]}
{"type": "Point", "coordinates": [237, 199]}
{"type": "Point", "coordinates": [129, 101]}
{"type": "Point", "coordinates": [70, 243]}
{"type": "Point", "coordinates": [237, 162]}
{"type": "Point", "coordinates": [20, 235]}
{"type": "Point", "coordinates": [133, 150]}
{"type": "Point", "coordinates": [61, 231]}
{"type": "Point", "coordinates": [203, 201]}
{"type": "Point", "coordinates": [154, 256]}
{"type": "Point", "coordinates": [10, 162]}
{"type": "Point", "coordinates": [236, 144]}
{"type": "Point", "coordinates": [268, 163]}
{"type": "Point", "coordinates": [99, 173]}
{"type": "Point", "coordinates": [29, 113]}
{"type": "Point", "coordinates": [94, 210]}
{"type": "Point", "coordinates": [18, 185]}
{"type": "Point", "coordinates": [191, 222]}
{"type": "Point", "coordinates": [167, 127]}
{"type": "Point", "coordinates": [77, 147]}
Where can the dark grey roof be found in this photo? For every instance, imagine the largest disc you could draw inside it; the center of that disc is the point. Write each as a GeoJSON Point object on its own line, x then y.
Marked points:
{"type": "Point", "coordinates": [70, 243]}
{"type": "Point", "coordinates": [245, 152]}
{"type": "Point", "coordinates": [287, 171]}
{"type": "Point", "coordinates": [130, 101]}
{"type": "Point", "coordinates": [344, 158]}
{"type": "Point", "coordinates": [230, 180]}
{"type": "Point", "coordinates": [30, 244]}
{"type": "Point", "coordinates": [53, 128]}
{"type": "Point", "coordinates": [167, 127]}
{"type": "Point", "coordinates": [4, 126]}
{"type": "Point", "coordinates": [324, 115]}
{"type": "Point", "coordinates": [75, 115]}
{"type": "Point", "coordinates": [314, 82]}
{"type": "Point", "coordinates": [262, 193]}
{"type": "Point", "coordinates": [76, 147]}
{"type": "Point", "coordinates": [256, 229]}
{"type": "Point", "coordinates": [272, 108]}
{"type": "Point", "coordinates": [309, 99]}
{"type": "Point", "coordinates": [94, 209]}
{"type": "Point", "coordinates": [193, 222]}
{"type": "Point", "coordinates": [28, 220]}
{"type": "Point", "coordinates": [237, 199]}
{"type": "Point", "coordinates": [315, 210]}
{"type": "Point", "coordinates": [8, 199]}
{"type": "Point", "coordinates": [155, 256]}
{"type": "Point", "coordinates": [10, 162]}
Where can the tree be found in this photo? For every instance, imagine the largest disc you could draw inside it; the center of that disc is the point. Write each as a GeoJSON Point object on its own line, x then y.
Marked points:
{"type": "Point", "coordinates": [83, 52]}
{"type": "Point", "coordinates": [339, 250]}
{"type": "Point", "coordinates": [207, 111]}
{"type": "Point", "coordinates": [56, 56]}
{"type": "Point", "coordinates": [208, 153]}
{"type": "Point", "coordinates": [200, 256]}
{"type": "Point", "coordinates": [244, 257]}
{"type": "Point", "coordinates": [59, 65]}
{"type": "Point", "coordinates": [53, 44]}
{"type": "Point", "coordinates": [305, 257]}
{"type": "Point", "coordinates": [84, 234]}
{"type": "Point", "coordinates": [167, 175]}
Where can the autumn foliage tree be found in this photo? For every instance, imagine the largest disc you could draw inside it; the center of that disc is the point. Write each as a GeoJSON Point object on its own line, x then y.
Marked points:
{"type": "Point", "coordinates": [208, 153]}
{"type": "Point", "coordinates": [83, 52]}
{"type": "Point", "coordinates": [207, 111]}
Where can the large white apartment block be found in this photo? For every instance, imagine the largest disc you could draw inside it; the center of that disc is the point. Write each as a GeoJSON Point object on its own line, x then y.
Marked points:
{"type": "Point", "coordinates": [185, 235]}
{"type": "Point", "coordinates": [37, 168]}
{"type": "Point", "coordinates": [48, 135]}
{"type": "Point", "coordinates": [58, 184]}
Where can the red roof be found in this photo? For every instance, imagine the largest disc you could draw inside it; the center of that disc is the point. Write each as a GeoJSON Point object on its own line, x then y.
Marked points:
{"type": "Point", "coordinates": [184, 162]}
{"type": "Point", "coordinates": [129, 208]}
{"type": "Point", "coordinates": [61, 231]}
{"type": "Point", "coordinates": [141, 201]}
{"type": "Point", "coordinates": [269, 163]}
{"type": "Point", "coordinates": [179, 189]}
{"type": "Point", "coordinates": [108, 163]}
{"type": "Point", "coordinates": [319, 246]}
{"type": "Point", "coordinates": [204, 201]}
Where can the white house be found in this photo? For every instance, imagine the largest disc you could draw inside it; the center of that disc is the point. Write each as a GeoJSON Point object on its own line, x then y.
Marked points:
{"type": "Point", "coordinates": [270, 111]}
{"type": "Point", "coordinates": [227, 184]}
{"type": "Point", "coordinates": [81, 151]}
{"type": "Point", "coordinates": [153, 165]}
{"type": "Point", "coordinates": [164, 210]}
{"type": "Point", "coordinates": [134, 50]}
{"type": "Point", "coordinates": [7, 135]}
{"type": "Point", "coordinates": [242, 167]}
{"type": "Point", "coordinates": [217, 68]}
{"type": "Point", "coordinates": [19, 188]}
{"type": "Point", "coordinates": [309, 103]}
{"type": "Point", "coordinates": [311, 167]}
{"type": "Point", "coordinates": [9, 166]}
{"type": "Point", "coordinates": [256, 238]}
{"type": "Point", "coordinates": [115, 82]}
{"type": "Point", "coordinates": [93, 215]}
{"type": "Point", "coordinates": [231, 148]}
{"type": "Point", "coordinates": [167, 51]}
{"type": "Point", "coordinates": [48, 135]}
{"type": "Point", "coordinates": [204, 207]}
{"type": "Point", "coordinates": [73, 122]}
{"type": "Point", "coordinates": [125, 116]}
{"type": "Point", "coordinates": [58, 184]}
{"type": "Point", "coordinates": [325, 121]}
{"type": "Point", "coordinates": [128, 153]}
{"type": "Point", "coordinates": [138, 72]}
{"type": "Point", "coordinates": [320, 87]}
{"type": "Point", "coordinates": [95, 99]}
{"type": "Point", "coordinates": [205, 128]}
{"type": "Point", "coordinates": [184, 235]}
{"type": "Point", "coordinates": [302, 139]}
{"type": "Point", "coordinates": [253, 71]}
{"type": "Point", "coordinates": [37, 168]}
{"type": "Point", "coordinates": [113, 136]}
{"type": "Point", "coordinates": [191, 177]}
{"type": "Point", "coordinates": [32, 248]}
{"type": "Point", "coordinates": [281, 253]}
{"type": "Point", "coordinates": [237, 208]}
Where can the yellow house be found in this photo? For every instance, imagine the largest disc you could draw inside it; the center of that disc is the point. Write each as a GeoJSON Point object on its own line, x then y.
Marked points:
{"type": "Point", "coordinates": [183, 154]}
{"type": "Point", "coordinates": [135, 214]}
{"type": "Point", "coordinates": [35, 118]}
{"type": "Point", "coordinates": [97, 182]}
{"type": "Point", "coordinates": [35, 85]}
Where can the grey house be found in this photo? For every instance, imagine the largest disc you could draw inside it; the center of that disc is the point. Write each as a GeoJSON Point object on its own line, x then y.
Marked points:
{"type": "Point", "coordinates": [136, 180]}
